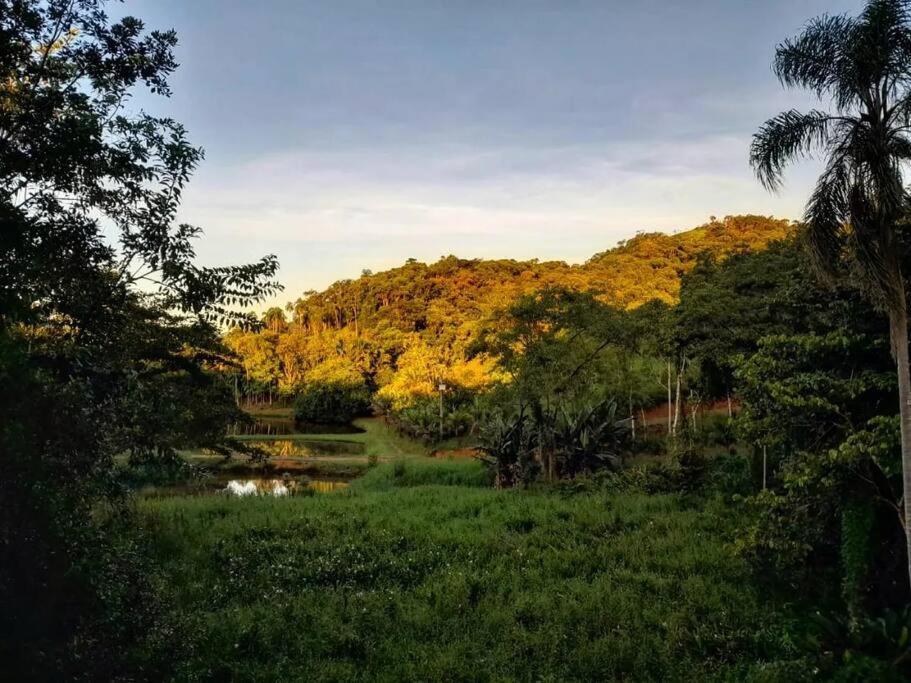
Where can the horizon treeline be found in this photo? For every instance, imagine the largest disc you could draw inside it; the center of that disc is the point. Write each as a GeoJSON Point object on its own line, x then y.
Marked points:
{"type": "Point", "coordinates": [398, 334]}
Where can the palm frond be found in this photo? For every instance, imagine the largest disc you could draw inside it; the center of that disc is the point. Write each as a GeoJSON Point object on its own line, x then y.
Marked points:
{"type": "Point", "coordinates": [784, 138]}
{"type": "Point", "coordinates": [825, 216]}
{"type": "Point", "coordinates": [899, 148]}
{"type": "Point", "coordinates": [875, 54]}
{"type": "Point", "coordinates": [811, 59]}
{"type": "Point", "coordinates": [901, 109]}
{"type": "Point", "coordinates": [862, 65]}
{"type": "Point", "coordinates": [870, 237]}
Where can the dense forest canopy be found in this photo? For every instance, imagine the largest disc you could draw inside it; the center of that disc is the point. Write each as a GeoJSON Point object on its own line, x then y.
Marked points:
{"type": "Point", "coordinates": [406, 329]}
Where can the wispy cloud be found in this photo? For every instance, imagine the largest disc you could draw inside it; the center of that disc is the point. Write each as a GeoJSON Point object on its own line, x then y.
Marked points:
{"type": "Point", "coordinates": [319, 197]}
{"type": "Point", "coordinates": [328, 215]}
{"type": "Point", "coordinates": [370, 132]}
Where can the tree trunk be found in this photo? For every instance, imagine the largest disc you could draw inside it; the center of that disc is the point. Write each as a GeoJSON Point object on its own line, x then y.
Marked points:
{"type": "Point", "coordinates": [676, 407]}
{"type": "Point", "coordinates": [677, 404]}
{"type": "Point", "coordinates": [898, 331]}
{"type": "Point", "coordinates": [632, 415]}
{"type": "Point", "coordinates": [670, 402]}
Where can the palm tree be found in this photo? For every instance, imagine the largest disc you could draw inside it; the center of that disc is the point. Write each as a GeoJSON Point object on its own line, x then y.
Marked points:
{"type": "Point", "coordinates": [274, 319]}
{"type": "Point", "coordinates": [862, 67]}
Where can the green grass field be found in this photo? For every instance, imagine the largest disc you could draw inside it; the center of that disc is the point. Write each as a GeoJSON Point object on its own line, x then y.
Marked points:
{"type": "Point", "coordinates": [422, 572]}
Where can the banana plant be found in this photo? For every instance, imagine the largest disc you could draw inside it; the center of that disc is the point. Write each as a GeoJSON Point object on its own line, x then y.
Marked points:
{"type": "Point", "coordinates": [506, 442]}
{"type": "Point", "coordinates": [587, 438]}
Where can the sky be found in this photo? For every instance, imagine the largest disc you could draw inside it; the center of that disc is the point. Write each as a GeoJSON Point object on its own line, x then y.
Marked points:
{"type": "Point", "coordinates": [344, 135]}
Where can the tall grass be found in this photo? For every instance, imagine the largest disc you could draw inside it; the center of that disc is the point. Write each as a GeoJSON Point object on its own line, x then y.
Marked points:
{"type": "Point", "coordinates": [421, 472]}
{"type": "Point", "coordinates": [397, 580]}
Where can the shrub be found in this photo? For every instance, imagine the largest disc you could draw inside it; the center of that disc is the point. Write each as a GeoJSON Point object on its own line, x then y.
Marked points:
{"type": "Point", "coordinates": [565, 440]}
{"type": "Point", "coordinates": [655, 478]}
{"type": "Point", "coordinates": [863, 647]}
{"type": "Point", "coordinates": [730, 474]}
{"type": "Point", "coordinates": [333, 402]}
{"type": "Point", "coordinates": [720, 431]}
{"type": "Point", "coordinates": [508, 444]}
{"type": "Point", "coordinates": [420, 416]}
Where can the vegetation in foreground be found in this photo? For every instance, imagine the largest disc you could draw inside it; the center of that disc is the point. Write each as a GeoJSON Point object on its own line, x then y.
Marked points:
{"type": "Point", "coordinates": [403, 578]}
{"type": "Point", "coordinates": [110, 344]}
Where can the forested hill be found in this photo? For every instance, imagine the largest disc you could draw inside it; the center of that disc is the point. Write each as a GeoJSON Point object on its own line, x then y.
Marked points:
{"type": "Point", "coordinates": [418, 316]}
{"type": "Point", "coordinates": [416, 296]}
{"type": "Point", "coordinates": [649, 265]}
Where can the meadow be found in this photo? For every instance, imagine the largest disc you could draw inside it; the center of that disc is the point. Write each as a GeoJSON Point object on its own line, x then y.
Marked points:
{"type": "Point", "coordinates": [693, 449]}
{"type": "Point", "coordinates": [421, 571]}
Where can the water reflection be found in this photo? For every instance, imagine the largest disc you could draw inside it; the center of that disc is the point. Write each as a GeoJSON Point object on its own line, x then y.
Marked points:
{"type": "Point", "coordinates": [303, 448]}
{"type": "Point", "coordinates": [246, 487]}
{"type": "Point", "coordinates": [267, 426]}
{"type": "Point", "coordinates": [280, 487]}
{"type": "Point", "coordinates": [327, 485]}
{"type": "Point", "coordinates": [286, 426]}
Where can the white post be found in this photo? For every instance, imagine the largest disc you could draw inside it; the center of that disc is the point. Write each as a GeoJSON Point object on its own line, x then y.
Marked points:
{"type": "Point", "coordinates": [442, 388]}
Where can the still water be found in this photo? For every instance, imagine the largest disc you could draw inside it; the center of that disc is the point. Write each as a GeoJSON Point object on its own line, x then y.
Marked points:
{"type": "Point", "coordinates": [286, 426]}
{"type": "Point", "coordinates": [303, 448]}
{"type": "Point", "coordinates": [243, 487]}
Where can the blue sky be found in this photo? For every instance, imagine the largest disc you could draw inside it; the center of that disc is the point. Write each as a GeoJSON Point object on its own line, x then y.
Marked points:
{"type": "Point", "coordinates": [351, 134]}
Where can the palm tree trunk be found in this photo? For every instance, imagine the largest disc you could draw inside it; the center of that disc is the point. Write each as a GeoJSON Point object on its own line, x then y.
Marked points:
{"type": "Point", "coordinates": [898, 331]}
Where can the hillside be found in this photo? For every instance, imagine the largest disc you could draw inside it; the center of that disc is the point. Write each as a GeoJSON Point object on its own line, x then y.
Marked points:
{"type": "Point", "coordinates": [416, 296]}
{"type": "Point", "coordinates": [426, 315]}
{"type": "Point", "coordinates": [649, 265]}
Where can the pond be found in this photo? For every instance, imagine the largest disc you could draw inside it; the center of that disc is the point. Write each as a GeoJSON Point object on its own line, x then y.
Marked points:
{"type": "Point", "coordinates": [286, 486]}
{"type": "Point", "coordinates": [305, 448]}
{"type": "Point", "coordinates": [238, 486]}
{"type": "Point", "coordinates": [287, 426]}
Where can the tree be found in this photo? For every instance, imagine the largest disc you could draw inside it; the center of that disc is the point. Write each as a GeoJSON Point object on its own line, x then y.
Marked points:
{"type": "Point", "coordinates": [448, 303]}
{"type": "Point", "coordinates": [274, 320]}
{"type": "Point", "coordinates": [862, 65]}
{"type": "Point", "coordinates": [107, 324]}
{"type": "Point", "coordinates": [820, 402]}
{"type": "Point", "coordinates": [335, 392]}
{"type": "Point", "coordinates": [727, 307]}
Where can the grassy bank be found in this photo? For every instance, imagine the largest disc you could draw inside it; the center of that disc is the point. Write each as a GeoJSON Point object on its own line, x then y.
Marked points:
{"type": "Point", "coordinates": [376, 441]}
{"type": "Point", "coordinates": [401, 578]}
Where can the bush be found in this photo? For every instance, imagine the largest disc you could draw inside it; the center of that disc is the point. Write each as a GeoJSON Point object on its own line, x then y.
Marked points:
{"type": "Point", "coordinates": [730, 474]}
{"type": "Point", "coordinates": [334, 402]}
{"type": "Point", "coordinates": [420, 417]}
{"type": "Point", "coordinates": [687, 472]}
{"type": "Point", "coordinates": [430, 472]}
{"type": "Point", "coordinates": [865, 647]}
{"type": "Point", "coordinates": [719, 431]}
{"type": "Point", "coordinates": [565, 441]}
{"type": "Point", "coordinates": [649, 444]}
{"type": "Point", "coordinates": [654, 478]}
